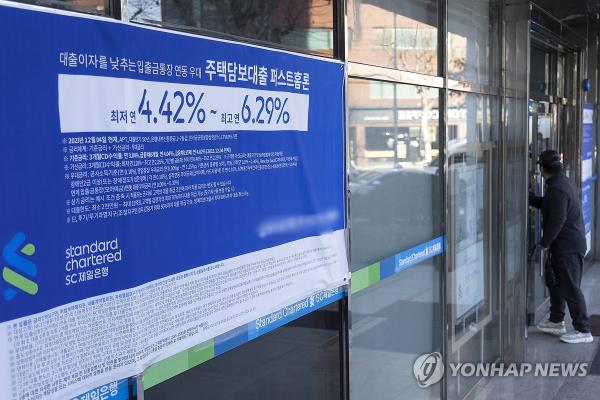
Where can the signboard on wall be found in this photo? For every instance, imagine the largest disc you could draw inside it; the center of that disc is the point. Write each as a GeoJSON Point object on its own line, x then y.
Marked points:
{"type": "Point", "coordinates": [469, 260]}
{"type": "Point", "coordinates": [159, 189]}
{"type": "Point", "coordinates": [587, 174]}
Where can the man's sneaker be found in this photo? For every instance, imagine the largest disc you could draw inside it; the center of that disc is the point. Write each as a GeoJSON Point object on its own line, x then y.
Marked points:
{"type": "Point", "coordinates": [554, 328]}
{"type": "Point", "coordinates": [577, 337]}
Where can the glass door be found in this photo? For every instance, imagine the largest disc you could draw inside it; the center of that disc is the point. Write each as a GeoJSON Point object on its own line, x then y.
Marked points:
{"type": "Point", "coordinates": [553, 118]}
{"type": "Point", "coordinates": [395, 216]}
{"type": "Point", "coordinates": [473, 273]}
{"type": "Point", "coordinates": [542, 128]}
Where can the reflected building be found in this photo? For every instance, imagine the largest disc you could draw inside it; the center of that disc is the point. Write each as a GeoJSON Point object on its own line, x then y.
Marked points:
{"type": "Point", "coordinates": [443, 130]}
{"type": "Point", "coordinates": [400, 35]}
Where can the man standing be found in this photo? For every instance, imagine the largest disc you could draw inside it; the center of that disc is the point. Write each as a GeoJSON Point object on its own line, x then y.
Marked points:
{"type": "Point", "coordinates": [563, 234]}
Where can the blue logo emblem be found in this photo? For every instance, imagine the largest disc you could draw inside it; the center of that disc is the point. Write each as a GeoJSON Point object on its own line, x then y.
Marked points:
{"type": "Point", "coordinates": [20, 270]}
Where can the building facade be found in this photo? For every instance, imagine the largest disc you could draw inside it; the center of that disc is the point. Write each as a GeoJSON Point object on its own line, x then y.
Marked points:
{"type": "Point", "coordinates": [447, 105]}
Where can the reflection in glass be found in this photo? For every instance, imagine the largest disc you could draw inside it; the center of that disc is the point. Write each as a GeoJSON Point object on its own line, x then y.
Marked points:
{"type": "Point", "coordinates": [88, 6]}
{"type": "Point", "coordinates": [471, 30]}
{"type": "Point", "coordinates": [395, 204]}
{"type": "Point", "coordinates": [394, 322]}
{"type": "Point", "coordinates": [393, 168]}
{"type": "Point", "coordinates": [298, 361]}
{"type": "Point", "coordinates": [540, 72]}
{"type": "Point", "coordinates": [472, 281]}
{"type": "Point", "coordinates": [303, 24]}
{"type": "Point", "coordinates": [394, 34]}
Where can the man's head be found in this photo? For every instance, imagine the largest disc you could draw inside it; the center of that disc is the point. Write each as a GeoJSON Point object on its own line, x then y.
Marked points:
{"type": "Point", "coordinates": [550, 163]}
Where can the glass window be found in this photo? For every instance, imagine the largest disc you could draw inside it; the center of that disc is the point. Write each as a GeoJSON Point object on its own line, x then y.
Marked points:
{"type": "Point", "coordinates": [472, 31]}
{"type": "Point", "coordinates": [384, 90]}
{"type": "Point", "coordinates": [101, 7]}
{"type": "Point", "coordinates": [302, 24]}
{"type": "Point", "coordinates": [421, 39]}
{"type": "Point", "coordinates": [395, 204]}
{"type": "Point", "coordinates": [394, 146]}
{"type": "Point", "coordinates": [517, 51]}
{"type": "Point", "coordinates": [394, 34]}
{"type": "Point", "coordinates": [471, 115]}
{"type": "Point", "coordinates": [298, 361]}
{"type": "Point", "coordinates": [540, 72]}
{"type": "Point", "coordinates": [472, 283]}
{"type": "Point", "coordinates": [405, 38]}
{"type": "Point", "coordinates": [319, 39]}
{"type": "Point", "coordinates": [394, 322]}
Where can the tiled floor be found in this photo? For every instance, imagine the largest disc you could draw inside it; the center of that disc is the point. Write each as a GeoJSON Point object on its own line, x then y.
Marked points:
{"type": "Point", "coordinates": [545, 348]}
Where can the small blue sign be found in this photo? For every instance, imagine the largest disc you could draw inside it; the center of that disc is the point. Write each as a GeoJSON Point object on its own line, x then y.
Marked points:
{"type": "Point", "coordinates": [117, 390]}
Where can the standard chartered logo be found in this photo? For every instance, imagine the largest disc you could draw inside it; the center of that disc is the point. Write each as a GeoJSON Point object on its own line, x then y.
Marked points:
{"type": "Point", "coordinates": [20, 270]}
{"type": "Point", "coordinates": [428, 369]}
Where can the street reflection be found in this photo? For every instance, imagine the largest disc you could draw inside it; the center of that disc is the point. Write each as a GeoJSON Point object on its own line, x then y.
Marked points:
{"type": "Point", "coordinates": [394, 181]}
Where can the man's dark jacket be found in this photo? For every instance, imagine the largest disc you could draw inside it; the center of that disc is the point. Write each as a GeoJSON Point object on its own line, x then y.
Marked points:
{"type": "Point", "coordinates": [562, 223]}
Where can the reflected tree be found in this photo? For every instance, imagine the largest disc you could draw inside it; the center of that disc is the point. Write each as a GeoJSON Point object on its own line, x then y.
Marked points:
{"type": "Point", "coordinates": [422, 56]}
{"type": "Point", "coordinates": [148, 10]}
{"type": "Point", "coordinates": [264, 20]}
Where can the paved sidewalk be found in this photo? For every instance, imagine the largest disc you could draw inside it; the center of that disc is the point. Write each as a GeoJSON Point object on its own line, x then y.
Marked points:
{"type": "Point", "coordinates": [546, 348]}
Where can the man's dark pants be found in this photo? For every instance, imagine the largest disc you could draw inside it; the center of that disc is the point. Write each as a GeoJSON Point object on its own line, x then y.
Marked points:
{"type": "Point", "coordinates": [563, 278]}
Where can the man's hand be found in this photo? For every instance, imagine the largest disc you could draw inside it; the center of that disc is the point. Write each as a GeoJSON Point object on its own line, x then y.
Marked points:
{"type": "Point", "coordinates": [535, 201]}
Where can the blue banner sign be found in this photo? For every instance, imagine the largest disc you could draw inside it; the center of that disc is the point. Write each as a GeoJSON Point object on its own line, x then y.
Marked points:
{"type": "Point", "coordinates": [412, 256]}
{"type": "Point", "coordinates": [159, 190]}
{"type": "Point", "coordinates": [587, 174]}
{"type": "Point", "coordinates": [117, 390]}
